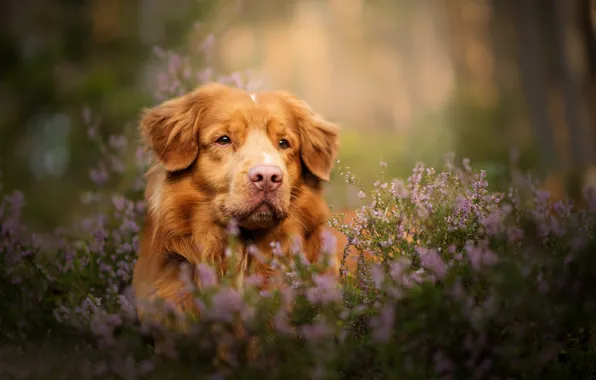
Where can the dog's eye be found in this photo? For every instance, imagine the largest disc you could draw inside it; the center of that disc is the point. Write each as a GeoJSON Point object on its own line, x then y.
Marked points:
{"type": "Point", "coordinates": [223, 140]}
{"type": "Point", "coordinates": [284, 144]}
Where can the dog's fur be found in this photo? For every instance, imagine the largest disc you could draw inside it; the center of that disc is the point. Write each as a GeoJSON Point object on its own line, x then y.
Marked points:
{"type": "Point", "coordinates": [200, 182]}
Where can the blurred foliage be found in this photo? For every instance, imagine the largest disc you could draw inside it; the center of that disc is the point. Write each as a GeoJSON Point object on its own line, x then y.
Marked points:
{"type": "Point", "coordinates": [62, 57]}
{"type": "Point", "coordinates": [59, 58]}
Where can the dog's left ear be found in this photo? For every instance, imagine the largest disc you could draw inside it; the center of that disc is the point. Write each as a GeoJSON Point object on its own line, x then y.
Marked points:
{"type": "Point", "coordinates": [319, 138]}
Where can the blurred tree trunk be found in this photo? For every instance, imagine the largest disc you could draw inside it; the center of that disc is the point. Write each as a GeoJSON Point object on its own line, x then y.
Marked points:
{"type": "Point", "coordinates": [508, 75]}
{"type": "Point", "coordinates": [532, 58]}
{"type": "Point", "coordinates": [471, 47]}
{"type": "Point", "coordinates": [480, 116]}
{"type": "Point", "coordinates": [557, 13]}
{"type": "Point", "coordinates": [558, 81]}
{"type": "Point", "coordinates": [586, 14]}
{"type": "Point", "coordinates": [533, 50]}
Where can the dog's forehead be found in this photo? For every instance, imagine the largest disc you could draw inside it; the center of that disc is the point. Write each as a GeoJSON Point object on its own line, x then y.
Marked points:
{"type": "Point", "coordinates": [254, 110]}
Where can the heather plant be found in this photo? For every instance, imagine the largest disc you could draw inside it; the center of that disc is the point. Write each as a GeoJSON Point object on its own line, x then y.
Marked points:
{"type": "Point", "coordinates": [454, 280]}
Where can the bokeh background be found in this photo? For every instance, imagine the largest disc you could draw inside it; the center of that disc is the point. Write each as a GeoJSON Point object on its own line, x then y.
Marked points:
{"type": "Point", "coordinates": [502, 82]}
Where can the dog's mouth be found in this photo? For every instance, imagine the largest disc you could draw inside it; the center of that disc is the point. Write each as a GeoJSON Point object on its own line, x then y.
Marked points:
{"type": "Point", "coordinates": [263, 209]}
{"type": "Point", "coordinates": [262, 215]}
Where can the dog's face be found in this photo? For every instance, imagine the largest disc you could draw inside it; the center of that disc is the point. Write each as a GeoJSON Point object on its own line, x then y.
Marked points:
{"type": "Point", "coordinates": [248, 154]}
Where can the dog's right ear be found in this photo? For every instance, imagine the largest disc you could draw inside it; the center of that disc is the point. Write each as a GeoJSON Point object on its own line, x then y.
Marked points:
{"type": "Point", "coordinates": [170, 129]}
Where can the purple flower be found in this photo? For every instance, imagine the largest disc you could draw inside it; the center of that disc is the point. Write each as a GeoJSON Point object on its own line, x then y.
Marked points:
{"type": "Point", "coordinates": [86, 113]}
{"type": "Point", "coordinates": [563, 209]}
{"type": "Point", "coordinates": [254, 280]}
{"type": "Point", "coordinates": [590, 196]}
{"type": "Point", "coordinates": [129, 226]}
{"type": "Point", "coordinates": [398, 189]}
{"type": "Point", "coordinates": [326, 290]}
{"type": "Point", "coordinates": [89, 197]}
{"type": "Point", "coordinates": [119, 202]}
{"type": "Point", "coordinates": [256, 254]}
{"type": "Point", "coordinates": [217, 376]}
{"type": "Point", "coordinates": [205, 75]}
{"type": "Point", "coordinates": [206, 275]}
{"type": "Point", "coordinates": [233, 228]}
{"type": "Point", "coordinates": [555, 226]}
{"type": "Point", "coordinates": [226, 304]}
{"type": "Point", "coordinates": [316, 331]}
{"type": "Point", "coordinates": [479, 255]}
{"type": "Point", "coordinates": [146, 367]}
{"type": "Point", "coordinates": [382, 324]}
{"type": "Point", "coordinates": [174, 63]}
{"type": "Point", "coordinates": [514, 234]}
{"type": "Point", "coordinates": [16, 200]}
{"type": "Point", "coordinates": [99, 176]}
{"type": "Point", "coordinates": [296, 248]}
{"type": "Point", "coordinates": [158, 51]}
{"type": "Point", "coordinates": [398, 268]}
{"type": "Point", "coordinates": [208, 42]}
{"type": "Point", "coordinates": [442, 363]}
{"type": "Point", "coordinates": [579, 242]}
{"type": "Point", "coordinates": [287, 295]}
{"type": "Point", "coordinates": [281, 324]}
{"type": "Point", "coordinates": [117, 165]}
{"type": "Point", "coordinates": [377, 275]}
{"type": "Point", "coordinates": [493, 222]}
{"type": "Point", "coordinates": [328, 242]}
{"type": "Point", "coordinates": [143, 158]}
{"type": "Point", "coordinates": [186, 277]}
{"type": "Point", "coordinates": [276, 248]}
{"type": "Point", "coordinates": [117, 143]}
{"type": "Point", "coordinates": [430, 259]}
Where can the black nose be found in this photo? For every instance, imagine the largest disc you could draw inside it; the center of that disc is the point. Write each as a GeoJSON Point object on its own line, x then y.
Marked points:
{"type": "Point", "coordinates": [266, 177]}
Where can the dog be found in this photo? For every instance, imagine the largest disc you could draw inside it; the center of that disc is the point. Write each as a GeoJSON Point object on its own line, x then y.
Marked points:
{"type": "Point", "coordinates": [223, 154]}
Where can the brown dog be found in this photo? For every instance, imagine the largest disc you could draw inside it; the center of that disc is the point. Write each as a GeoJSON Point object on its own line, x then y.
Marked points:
{"type": "Point", "coordinates": [223, 153]}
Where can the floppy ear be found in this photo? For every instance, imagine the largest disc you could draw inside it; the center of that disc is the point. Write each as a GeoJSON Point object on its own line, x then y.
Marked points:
{"type": "Point", "coordinates": [319, 139]}
{"type": "Point", "coordinates": [170, 130]}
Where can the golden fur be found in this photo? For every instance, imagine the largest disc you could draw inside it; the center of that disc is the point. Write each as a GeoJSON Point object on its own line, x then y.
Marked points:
{"type": "Point", "coordinates": [205, 144]}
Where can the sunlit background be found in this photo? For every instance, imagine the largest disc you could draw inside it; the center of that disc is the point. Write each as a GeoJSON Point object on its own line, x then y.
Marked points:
{"type": "Point", "coordinates": [492, 80]}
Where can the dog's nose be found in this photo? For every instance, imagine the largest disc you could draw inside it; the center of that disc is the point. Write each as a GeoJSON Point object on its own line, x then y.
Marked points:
{"type": "Point", "coordinates": [266, 177]}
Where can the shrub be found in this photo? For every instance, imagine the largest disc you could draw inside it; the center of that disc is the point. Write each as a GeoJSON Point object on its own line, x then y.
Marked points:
{"type": "Point", "coordinates": [454, 281]}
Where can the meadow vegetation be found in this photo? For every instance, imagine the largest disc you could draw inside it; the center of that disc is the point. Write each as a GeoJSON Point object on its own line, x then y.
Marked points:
{"type": "Point", "coordinates": [463, 281]}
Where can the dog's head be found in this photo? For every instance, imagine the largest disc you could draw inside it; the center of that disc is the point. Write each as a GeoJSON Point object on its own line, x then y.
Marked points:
{"type": "Point", "coordinates": [248, 154]}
